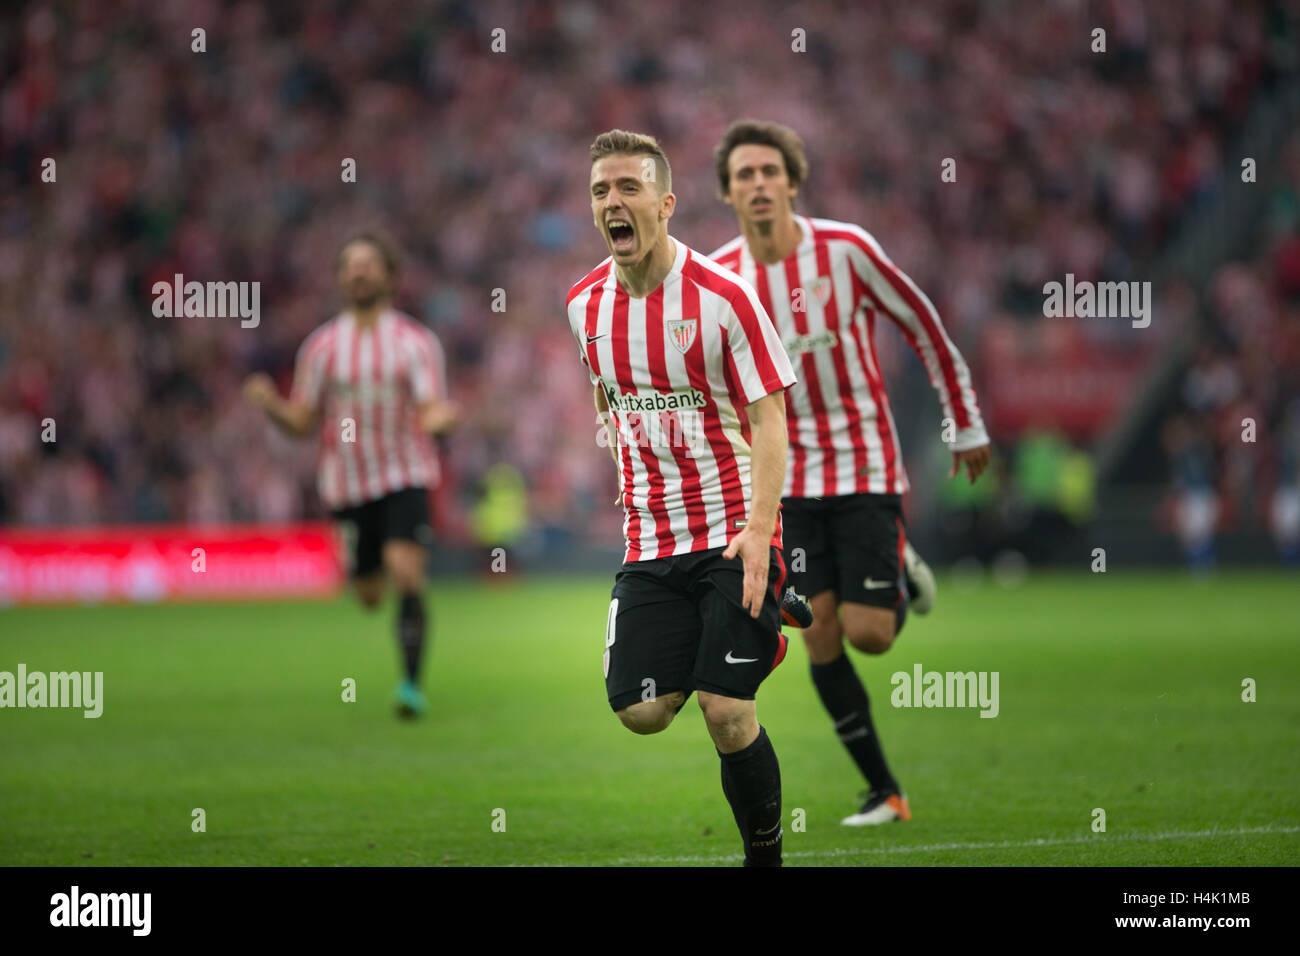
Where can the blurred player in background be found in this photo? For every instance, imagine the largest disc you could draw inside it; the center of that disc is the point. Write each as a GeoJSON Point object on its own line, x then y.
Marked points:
{"type": "Point", "coordinates": [676, 347]}
{"type": "Point", "coordinates": [374, 380]}
{"type": "Point", "coordinates": [824, 283]}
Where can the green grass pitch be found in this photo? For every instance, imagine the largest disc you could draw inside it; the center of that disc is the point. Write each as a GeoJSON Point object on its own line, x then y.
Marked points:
{"type": "Point", "coordinates": [1120, 691]}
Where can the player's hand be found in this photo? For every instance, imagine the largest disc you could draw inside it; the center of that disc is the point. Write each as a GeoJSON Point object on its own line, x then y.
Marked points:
{"type": "Point", "coordinates": [438, 417]}
{"type": "Point", "coordinates": [755, 555]}
{"type": "Point", "coordinates": [975, 459]}
{"type": "Point", "coordinates": [259, 390]}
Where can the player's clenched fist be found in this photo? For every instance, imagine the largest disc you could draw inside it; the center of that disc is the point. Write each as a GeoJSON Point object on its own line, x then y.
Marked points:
{"type": "Point", "coordinates": [437, 418]}
{"type": "Point", "coordinates": [259, 390]}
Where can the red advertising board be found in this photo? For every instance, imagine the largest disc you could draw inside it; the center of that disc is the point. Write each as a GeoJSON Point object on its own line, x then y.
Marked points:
{"type": "Point", "coordinates": [1054, 376]}
{"type": "Point", "coordinates": [149, 563]}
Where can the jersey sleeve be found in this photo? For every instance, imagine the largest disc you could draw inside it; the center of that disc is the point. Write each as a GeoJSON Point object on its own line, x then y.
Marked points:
{"type": "Point", "coordinates": [890, 291]}
{"type": "Point", "coordinates": [755, 356]}
{"type": "Point", "coordinates": [428, 368]}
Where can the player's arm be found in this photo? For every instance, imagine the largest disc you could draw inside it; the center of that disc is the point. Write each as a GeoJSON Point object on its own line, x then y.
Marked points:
{"type": "Point", "coordinates": [768, 441]}
{"type": "Point", "coordinates": [292, 416]}
{"type": "Point", "coordinates": [762, 373]}
{"type": "Point", "coordinates": [427, 372]}
{"type": "Point", "coordinates": [898, 297]}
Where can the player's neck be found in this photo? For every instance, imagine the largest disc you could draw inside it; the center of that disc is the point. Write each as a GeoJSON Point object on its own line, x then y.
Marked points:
{"type": "Point", "coordinates": [369, 316]}
{"type": "Point", "coordinates": [772, 242]}
{"type": "Point", "coordinates": [642, 278]}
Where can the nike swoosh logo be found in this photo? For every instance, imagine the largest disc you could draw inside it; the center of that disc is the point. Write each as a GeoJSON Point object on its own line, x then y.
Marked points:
{"type": "Point", "coordinates": [871, 585]}
{"type": "Point", "coordinates": [592, 338]}
{"type": "Point", "coordinates": [739, 660]}
{"type": "Point", "coordinates": [772, 828]}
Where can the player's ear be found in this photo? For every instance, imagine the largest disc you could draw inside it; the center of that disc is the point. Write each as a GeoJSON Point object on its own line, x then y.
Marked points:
{"type": "Point", "coordinates": [667, 203]}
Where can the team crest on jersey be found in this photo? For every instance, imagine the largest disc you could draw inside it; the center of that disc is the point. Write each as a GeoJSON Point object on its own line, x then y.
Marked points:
{"type": "Point", "coordinates": [681, 333]}
{"type": "Point", "coordinates": [820, 289]}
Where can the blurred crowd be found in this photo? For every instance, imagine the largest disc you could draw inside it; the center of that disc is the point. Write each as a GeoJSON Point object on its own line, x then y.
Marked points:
{"type": "Point", "coordinates": [1233, 436]}
{"type": "Point", "coordinates": [225, 165]}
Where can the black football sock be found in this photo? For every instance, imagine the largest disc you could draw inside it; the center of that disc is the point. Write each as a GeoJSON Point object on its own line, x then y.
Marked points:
{"type": "Point", "coordinates": [751, 782]}
{"type": "Point", "coordinates": [410, 634]}
{"type": "Point", "coordinates": [845, 699]}
{"type": "Point", "coordinates": [900, 612]}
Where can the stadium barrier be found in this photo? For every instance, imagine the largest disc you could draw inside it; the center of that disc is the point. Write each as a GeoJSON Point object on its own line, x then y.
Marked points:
{"type": "Point", "coordinates": [152, 563]}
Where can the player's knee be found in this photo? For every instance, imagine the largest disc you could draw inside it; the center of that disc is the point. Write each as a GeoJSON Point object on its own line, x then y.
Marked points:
{"type": "Point", "coordinates": [872, 638]}
{"type": "Point", "coordinates": [404, 563]}
{"type": "Point", "coordinates": [649, 716]}
{"type": "Point", "coordinates": [726, 716]}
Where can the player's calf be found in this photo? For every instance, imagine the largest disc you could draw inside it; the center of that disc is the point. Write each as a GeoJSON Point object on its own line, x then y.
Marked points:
{"type": "Point", "coordinates": [404, 562]}
{"type": "Point", "coordinates": [652, 716]}
{"type": "Point", "coordinates": [751, 776]}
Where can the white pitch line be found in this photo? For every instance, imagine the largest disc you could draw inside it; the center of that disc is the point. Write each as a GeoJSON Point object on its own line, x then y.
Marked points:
{"type": "Point", "coordinates": [947, 847]}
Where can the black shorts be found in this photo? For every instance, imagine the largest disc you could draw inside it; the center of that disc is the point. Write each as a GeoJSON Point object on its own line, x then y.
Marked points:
{"type": "Point", "coordinates": [677, 624]}
{"type": "Point", "coordinates": [849, 544]}
{"type": "Point", "coordinates": [397, 516]}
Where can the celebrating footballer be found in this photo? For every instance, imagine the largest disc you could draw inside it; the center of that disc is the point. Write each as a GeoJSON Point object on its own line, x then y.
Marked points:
{"type": "Point", "coordinates": [681, 354]}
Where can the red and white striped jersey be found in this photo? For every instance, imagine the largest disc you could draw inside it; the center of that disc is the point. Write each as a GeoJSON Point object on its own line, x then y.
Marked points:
{"type": "Point", "coordinates": [825, 298]}
{"type": "Point", "coordinates": [367, 386]}
{"type": "Point", "coordinates": [678, 367]}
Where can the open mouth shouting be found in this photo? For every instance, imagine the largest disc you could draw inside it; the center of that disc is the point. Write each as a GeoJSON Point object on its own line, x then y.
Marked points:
{"type": "Point", "coordinates": [622, 235]}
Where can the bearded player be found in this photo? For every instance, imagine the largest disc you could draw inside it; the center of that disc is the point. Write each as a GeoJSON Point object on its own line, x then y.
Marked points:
{"type": "Point", "coordinates": [373, 380]}
{"type": "Point", "coordinates": [825, 284]}
{"type": "Point", "coordinates": [677, 348]}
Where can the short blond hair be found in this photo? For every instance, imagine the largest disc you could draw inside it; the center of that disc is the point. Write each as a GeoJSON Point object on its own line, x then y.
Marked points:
{"type": "Point", "coordinates": [621, 142]}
